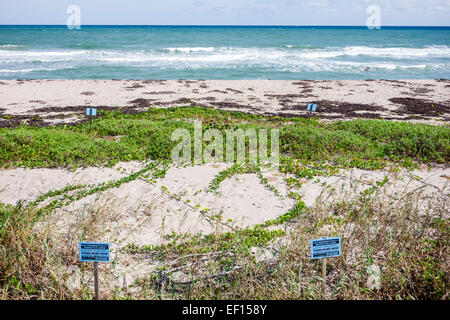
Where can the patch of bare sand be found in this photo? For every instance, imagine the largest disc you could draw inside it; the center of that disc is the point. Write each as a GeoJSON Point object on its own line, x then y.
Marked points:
{"type": "Point", "coordinates": [22, 184]}
{"type": "Point", "coordinates": [180, 203]}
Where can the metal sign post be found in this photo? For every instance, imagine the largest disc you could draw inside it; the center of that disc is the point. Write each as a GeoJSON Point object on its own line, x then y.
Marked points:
{"type": "Point", "coordinates": [95, 252]}
{"type": "Point", "coordinates": [323, 249]}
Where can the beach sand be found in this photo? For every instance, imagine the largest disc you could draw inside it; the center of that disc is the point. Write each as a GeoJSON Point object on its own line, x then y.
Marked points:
{"type": "Point", "coordinates": [64, 101]}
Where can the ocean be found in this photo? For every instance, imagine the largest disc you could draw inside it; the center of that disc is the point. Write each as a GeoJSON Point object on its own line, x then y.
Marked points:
{"type": "Point", "coordinates": [223, 52]}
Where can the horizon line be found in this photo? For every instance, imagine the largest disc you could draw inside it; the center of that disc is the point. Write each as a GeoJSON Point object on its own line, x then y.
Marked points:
{"type": "Point", "coordinates": [223, 25]}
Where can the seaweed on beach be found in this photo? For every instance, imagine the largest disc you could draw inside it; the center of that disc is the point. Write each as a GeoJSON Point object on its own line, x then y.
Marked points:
{"type": "Point", "coordinates": [12, 121]}
{"type": "Point", "coordinates": [421, 107]}
{"type": "Point", "coordinates": [234, 90]}
{"type": "Point", "coordinates": [343, 109]}
{"type": "Point", "coordinates": [159, 92]}
{"type": "Point", "coordinates": [287, 100]}
{"type": "Point", "coordinates": [151, 81]}
{"type": "Point", "coordinates": [225, 105]}
{"type": "Point", "coordinates": [141, 102]}
{"type": "Point", "coordinates": [135, 86]}
{"type": "Point", "coordinates": [80, 109]}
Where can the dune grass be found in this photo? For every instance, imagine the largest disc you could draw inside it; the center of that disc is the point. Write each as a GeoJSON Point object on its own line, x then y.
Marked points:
{"type": "Point", "coordinates": [407, 244]}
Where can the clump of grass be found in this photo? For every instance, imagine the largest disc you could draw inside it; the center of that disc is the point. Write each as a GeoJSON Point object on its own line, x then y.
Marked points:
{"type": "Point", "coordinates": [420, 141]}
{"type": "Point", "coordinates": [29, 267]}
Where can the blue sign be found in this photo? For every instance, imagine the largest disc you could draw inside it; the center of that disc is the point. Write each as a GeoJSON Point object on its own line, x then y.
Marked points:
{"type": "Point", "coordinates": [312, 107]}
{"type": "Point", "coordinates": [91, 111]}
{"type": "Point", "coordinates": [325, 248]}
{"type": "Point", "coordinates": [94, 252]}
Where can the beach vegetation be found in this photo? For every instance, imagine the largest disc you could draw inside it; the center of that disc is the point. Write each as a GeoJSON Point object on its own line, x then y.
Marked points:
{"type": "Point", "coordinates": [407, 244]}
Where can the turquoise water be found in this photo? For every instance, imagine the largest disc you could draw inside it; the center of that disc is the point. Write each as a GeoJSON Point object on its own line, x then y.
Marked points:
{"type": "Point", "coordinates": [187, 52]}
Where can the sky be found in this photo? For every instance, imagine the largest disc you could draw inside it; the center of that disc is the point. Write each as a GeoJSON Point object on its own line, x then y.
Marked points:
{"type": "Point", "coordinates": [227, 12]}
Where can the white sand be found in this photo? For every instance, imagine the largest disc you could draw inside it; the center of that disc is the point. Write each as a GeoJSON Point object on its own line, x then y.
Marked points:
{"type": "Point", "coordinates": [256, 96]}
{"type": "Point", "coordinates": [146, 211]}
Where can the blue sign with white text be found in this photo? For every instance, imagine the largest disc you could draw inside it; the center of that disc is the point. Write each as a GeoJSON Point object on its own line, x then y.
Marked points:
{"type": "Point", "coordinates": [325, 248]}
{"type": "Point", "coordinates": [94, 252]}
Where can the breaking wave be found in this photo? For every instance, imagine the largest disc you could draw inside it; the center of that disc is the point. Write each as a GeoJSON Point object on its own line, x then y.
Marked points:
{"type": "Point", "coordinates": [287, 58]}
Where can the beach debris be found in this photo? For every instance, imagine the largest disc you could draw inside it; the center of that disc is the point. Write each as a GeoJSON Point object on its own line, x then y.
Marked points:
{"type": "Point", "coordinates": [374, 278]}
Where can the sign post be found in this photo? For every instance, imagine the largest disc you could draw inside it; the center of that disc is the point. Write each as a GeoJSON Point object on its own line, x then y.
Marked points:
{"type": "Point", "coordinates": [96, 288]}
{"type": "Point", "coordinates": [91, 112]}
{"type": "Point", "coordinates": [95, 252]}
{"type": "Point", "coordinates": [311, 108]}
{"type": "Point", "coordinates": [323, 249]}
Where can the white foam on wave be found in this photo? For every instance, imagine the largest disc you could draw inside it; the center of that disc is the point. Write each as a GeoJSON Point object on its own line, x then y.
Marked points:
{"type": "Point", "coordinates": [26, 70]}
{"type": "Point", "coordinates": [191, 49]}
{"type": "Point", "coordinates": [396, 53]}
{"type": "Point", "coordinates": [277, 59]}
{"type": "Point", "coordinates": [9, 46]}
{"type": "Point", "coordinates": [189, 53]}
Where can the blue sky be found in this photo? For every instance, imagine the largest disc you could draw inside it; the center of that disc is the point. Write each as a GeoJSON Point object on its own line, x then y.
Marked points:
{"type": "Point", "coordinates": [227, 12]}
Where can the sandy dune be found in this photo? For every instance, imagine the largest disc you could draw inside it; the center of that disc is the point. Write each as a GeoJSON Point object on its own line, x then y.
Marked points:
{"type": "Point", "coordinates": [181, 203]}
{"type": "Point", "coordinates": [144, 212]}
